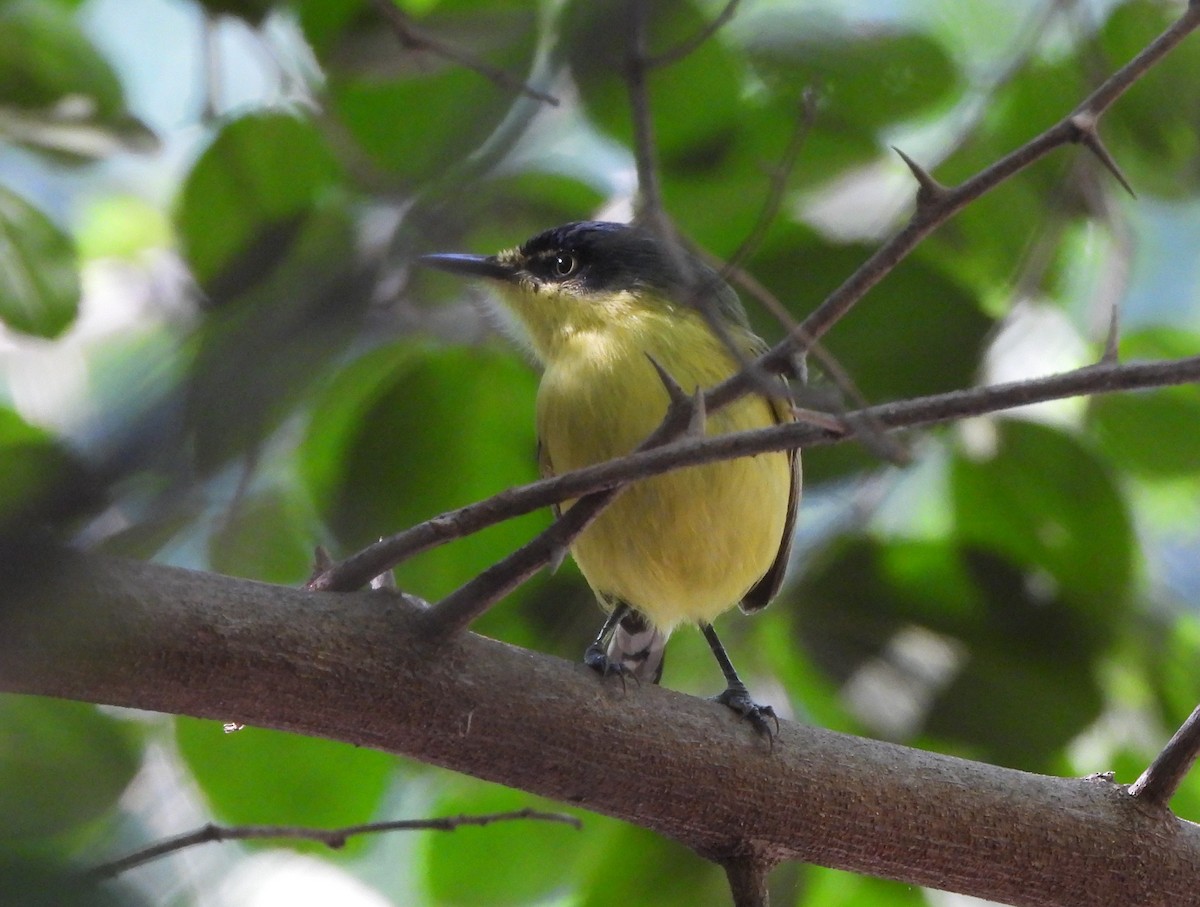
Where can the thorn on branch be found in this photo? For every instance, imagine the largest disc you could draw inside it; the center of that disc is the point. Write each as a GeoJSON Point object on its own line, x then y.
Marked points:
{"type": "Point", "coordinates": [322, 562]}
{"type": "Point", "coordinates": [686, 416]}
{"type": "Point", "coordinates": [1162, 778]}
{"type": "Point", "coordinates": [557, 556]}
{"type": "Point", "coordinates": [677, 395]}
{"type": "Point", "coordinates": [1087, 135]}
{"type": "Point", "coordinates": [929, 191]}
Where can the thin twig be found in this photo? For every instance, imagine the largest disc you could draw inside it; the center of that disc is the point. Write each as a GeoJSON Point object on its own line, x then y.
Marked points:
{"type": "Point", "coordinates": [334, 838]}
{"type": "Point", "coordinates": [412, 38]}
{"type": "Point", "coordinates": [692, 44]}
{"type": "Point", "coordinates": [650, 207]}
{"type": "Point", "coordinates": [873, 437]}
{"type": "Point", "coordinates": [356, 571]}
{"type": "Point", "coordinates": [461, 607]}
{"type": "Point", "coordinates": [929, 217]}
{"type": "Point", "coordinates": [778, 183]}
{"type": "Point", "coordinates": [1162, 778]}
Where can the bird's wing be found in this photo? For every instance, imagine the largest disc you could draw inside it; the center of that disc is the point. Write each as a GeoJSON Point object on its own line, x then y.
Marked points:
{"type": "Point", "coordinates": [765, 589]}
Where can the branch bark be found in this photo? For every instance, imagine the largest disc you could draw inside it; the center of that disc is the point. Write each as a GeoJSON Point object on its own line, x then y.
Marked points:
{"type": "Point", "coordinates": [358, 667]}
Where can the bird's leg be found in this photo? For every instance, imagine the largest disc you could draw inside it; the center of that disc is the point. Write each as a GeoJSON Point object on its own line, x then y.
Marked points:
{"type": "Point", "coordinates": [627, 645]}
{"type": "Point", "coordinates": [736, 696]}
{"type": "Point", "coordinates": [596, 655]}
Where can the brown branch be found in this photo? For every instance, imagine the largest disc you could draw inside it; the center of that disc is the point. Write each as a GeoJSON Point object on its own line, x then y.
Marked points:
{"type": "Point", "coordinates": [747, 875]}
{"type": "Point", "coordinates": [779, 175]}
{"type": "Point", "coordinates": [334, 838]}
{"type": "Point", "coordinates": [650, 207]}
{"type": "Point", "coordinates": [357, 570]}
{"type": "Point", "coordinates": [1160, 780]}
{"type": "Point", "coordinates": [871, 436]}
{"type": "Point", "coordinates": [931, 215]}
{"type": "Point", "coordinates": [357, 668]}
{"type": "Point", "coordinates": [460, 608]}
{"type": "Point", "coordinates": [412, 38]}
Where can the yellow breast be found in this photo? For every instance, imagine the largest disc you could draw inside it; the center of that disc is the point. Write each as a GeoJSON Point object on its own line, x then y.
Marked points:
{"type": "Point", "coordinates": [687, 545]}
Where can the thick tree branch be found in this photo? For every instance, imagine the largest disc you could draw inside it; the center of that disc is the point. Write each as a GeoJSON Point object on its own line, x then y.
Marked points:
{"type": "Point", "coordinates": [357, 570]}
{"type": "Point", "coordinates": [356, 668]}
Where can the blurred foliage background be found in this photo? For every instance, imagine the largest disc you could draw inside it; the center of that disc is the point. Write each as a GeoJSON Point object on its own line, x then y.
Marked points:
{"type": "Point", "coordinates": [214, 352]}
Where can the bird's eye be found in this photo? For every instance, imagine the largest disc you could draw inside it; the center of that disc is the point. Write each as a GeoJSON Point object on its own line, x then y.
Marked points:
{"type": "Point", "coordinates": [564, 264]}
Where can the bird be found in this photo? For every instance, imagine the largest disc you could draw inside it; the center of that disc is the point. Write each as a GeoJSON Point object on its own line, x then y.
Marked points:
{"type": "Point", "coordinates": [613, 313]}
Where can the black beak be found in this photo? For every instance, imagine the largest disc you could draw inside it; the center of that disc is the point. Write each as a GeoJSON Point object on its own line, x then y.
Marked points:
{"type": "Point", "coordinates": [468, 265]}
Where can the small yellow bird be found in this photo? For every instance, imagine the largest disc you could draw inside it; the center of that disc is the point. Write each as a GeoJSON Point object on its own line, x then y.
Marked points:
{"type": "Point", "coordinates": [601, 303]}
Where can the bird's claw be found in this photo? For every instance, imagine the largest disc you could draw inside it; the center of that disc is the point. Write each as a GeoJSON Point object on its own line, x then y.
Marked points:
{"type": "Point", "coordinates": [596, 658]}
{"type": "Point", "coordinates": [761, 717]}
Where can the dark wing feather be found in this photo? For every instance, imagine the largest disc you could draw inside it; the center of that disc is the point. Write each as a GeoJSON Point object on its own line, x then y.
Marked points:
{"type": "Point", "coordinates": [765, 589]}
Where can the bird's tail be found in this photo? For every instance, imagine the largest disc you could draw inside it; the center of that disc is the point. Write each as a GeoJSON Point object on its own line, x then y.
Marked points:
{"type": "Point", "coordinates": [638, 647]}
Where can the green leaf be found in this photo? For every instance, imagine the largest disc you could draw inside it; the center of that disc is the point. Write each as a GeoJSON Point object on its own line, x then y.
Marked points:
{"type": "Point", "coordinates": [1153, 139]}
{"type": "Point", "coordinates": [256, 776]}
{"type": "Point", "coordinates": [282, 313]}
{"type": "Point", "coordinates": [40, 478]}
{"type": "Point", "coordinates": [61, 764]}
{"type": "Point", "coordinates": [418, 121]}
{"type": "Point", "coordinates": [885, 344]}
{"type": "Point", "coordinates": [266, 536]}
{"type": "Point", "coordinates": [47, 883]}
{"type": "Point", "coordinates": [954, 642]}
{"type": "Point", "coordinates": [1152, 433]}
{"type": "Point", "coordinates": [984, 245]}
{"type": "Point", "coordinates": [411, 431]}
{"type": "Point", "coordinates": [57, 93]}
{"type": "Point", "coordinates": [868, 77]}
{"type": "Point", "coordinates": [1173, 667]}
{"type": "Point", "coordinates": [506, 863]}
{"type": "Point", "coordinates": [39, 276]}
{"type": "Point", "coordinates": [261, 171]}
{"type": "Point", "coordinates": [639, 867]}
{"type": "Point", "coordinates": [45, 59]}
{"type": "Point", "coordinates": [694, 100]}
{"type": "Point", "coordinates": [1046, 502]}
{"type": "Point", "coordinates": [835, 888]}
{"type": "Point", "coordinates": [324, 22]}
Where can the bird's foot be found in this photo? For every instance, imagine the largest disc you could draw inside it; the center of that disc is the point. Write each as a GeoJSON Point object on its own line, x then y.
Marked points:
{"type": "Point", "coordinates": [761, 717]}
{"type": "Point", "coordinates": [597, 659]}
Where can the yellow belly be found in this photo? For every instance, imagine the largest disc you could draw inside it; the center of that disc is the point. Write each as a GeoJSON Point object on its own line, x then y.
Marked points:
{"type": "Point", "coordinates": [687, 545]}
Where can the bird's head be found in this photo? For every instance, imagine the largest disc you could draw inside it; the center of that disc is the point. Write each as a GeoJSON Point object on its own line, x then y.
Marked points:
{"type": "Point", "coordinates": [594, 276]}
